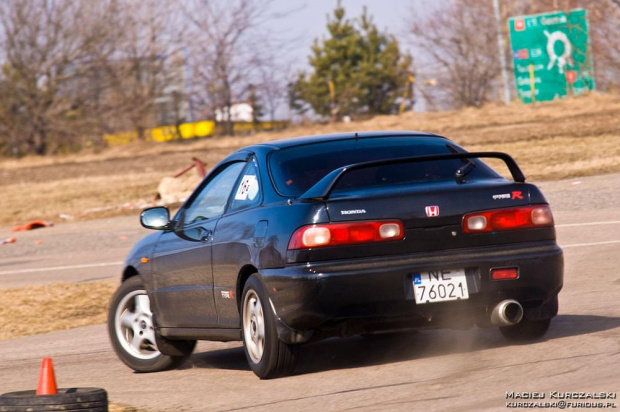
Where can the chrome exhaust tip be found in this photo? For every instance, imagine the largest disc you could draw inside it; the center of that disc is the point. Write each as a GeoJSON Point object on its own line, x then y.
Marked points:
{"type": "Point", "coordinates": [507, 313]}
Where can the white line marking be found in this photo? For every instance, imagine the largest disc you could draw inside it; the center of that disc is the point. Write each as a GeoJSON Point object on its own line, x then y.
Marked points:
{"type": "Point", "coordinates": [591, 244]}
{"type": "Point", "coordinates": [49, 269]}
{"type": "Point", "coordinates": [96, 265]}
{"type": "Point", "coordinates": [611, 222]}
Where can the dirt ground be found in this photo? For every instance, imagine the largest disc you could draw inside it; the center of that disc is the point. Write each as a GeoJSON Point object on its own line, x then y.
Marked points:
{"type": "Point", "coordinates": [567, 138]}
{"type": "Point", "coordinates": [45, 308]}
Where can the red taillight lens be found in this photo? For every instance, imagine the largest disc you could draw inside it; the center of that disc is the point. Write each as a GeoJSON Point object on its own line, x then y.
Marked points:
{"type": "Point", "coordinates": [335, 234]}
{"type": "Point", "coordinates": [508, 219]}
{"type": "Point", "coordinates": [504, 274]}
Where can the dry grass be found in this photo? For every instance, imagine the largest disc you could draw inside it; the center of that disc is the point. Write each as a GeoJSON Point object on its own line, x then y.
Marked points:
{"type": "Point", "coordinates": [46, 308]}
{"type": "Point", "coordinates": [571, 137]}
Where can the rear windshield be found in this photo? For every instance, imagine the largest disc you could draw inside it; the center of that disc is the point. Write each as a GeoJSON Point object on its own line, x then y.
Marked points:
{"type": "Point", "coordinates": [296, 169]}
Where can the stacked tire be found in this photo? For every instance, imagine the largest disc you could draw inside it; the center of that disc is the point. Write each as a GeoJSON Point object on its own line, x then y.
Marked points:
{"type": "Point", "coordinates": [68, 399]}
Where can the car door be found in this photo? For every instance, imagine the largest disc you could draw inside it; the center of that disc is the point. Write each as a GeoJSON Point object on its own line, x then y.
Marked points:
{"type": "Point", "coordinates": [182, 260]}
{"type": "Point", "coordinates": [236, 234]}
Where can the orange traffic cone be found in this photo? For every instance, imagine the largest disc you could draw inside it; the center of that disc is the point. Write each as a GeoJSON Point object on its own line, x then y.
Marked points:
{"type": "Point", "coordinates": [47, 381]}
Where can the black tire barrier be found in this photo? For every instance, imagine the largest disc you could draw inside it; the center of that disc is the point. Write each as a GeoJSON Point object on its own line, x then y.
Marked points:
{"type": "Point", "coordinates": [67, 399]}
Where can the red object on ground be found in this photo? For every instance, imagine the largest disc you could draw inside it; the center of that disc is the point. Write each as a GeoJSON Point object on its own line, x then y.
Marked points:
{"type": "Point", "coordinates": [200, 168]}
{"type": "Point", "coordinates": [47, 380]}
{"type": "Point", "coordinates": [8, 240]}
{"type": "Point", "coordinates": [35, 224]}
{"type": "Point", "coordinates": [182, 171]}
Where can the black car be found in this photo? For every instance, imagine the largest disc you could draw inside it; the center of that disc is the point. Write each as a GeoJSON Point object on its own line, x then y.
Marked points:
{"type": "Point", "coordinates": [296, 240]}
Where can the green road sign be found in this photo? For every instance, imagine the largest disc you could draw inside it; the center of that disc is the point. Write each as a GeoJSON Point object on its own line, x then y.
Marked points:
{"type": "Point", "coordinates": [551, 55]}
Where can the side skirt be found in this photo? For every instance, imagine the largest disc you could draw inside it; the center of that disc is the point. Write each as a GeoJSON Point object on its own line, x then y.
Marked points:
{"type": "Point", "coordinates": [214, 334]}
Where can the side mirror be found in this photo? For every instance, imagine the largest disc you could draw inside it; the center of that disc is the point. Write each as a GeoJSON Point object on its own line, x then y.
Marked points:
{"type": "Point", "coordinates": [157, 218]}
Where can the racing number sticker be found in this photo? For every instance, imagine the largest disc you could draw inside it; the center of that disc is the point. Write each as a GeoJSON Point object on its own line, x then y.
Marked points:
{"type": "Point", "coordinates": [248, 189]}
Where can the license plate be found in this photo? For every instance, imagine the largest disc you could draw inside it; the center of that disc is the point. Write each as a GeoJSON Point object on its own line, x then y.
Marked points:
{"type": "Point", "coordinates": [440, 286]}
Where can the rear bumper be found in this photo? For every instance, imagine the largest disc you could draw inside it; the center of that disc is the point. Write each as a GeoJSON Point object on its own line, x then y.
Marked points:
{"type": "Point", "coordinates": [379, 291]}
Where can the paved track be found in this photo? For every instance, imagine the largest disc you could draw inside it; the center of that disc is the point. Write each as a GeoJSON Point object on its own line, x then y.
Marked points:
{"type": "Point", "coordinates": [432, 370]}
{"type": "Point", "coordinates": [92, 250]}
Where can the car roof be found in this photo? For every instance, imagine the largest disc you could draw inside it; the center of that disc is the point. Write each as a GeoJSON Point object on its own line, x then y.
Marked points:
{"type": "Point", "coordinates": [305, 140]}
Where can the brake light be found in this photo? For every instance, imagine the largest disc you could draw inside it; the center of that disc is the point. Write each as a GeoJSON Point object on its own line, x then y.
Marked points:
{"type": "Point", "coordinates": [508, 219]}
{"type": "Point", "coordinates": [351, 233]}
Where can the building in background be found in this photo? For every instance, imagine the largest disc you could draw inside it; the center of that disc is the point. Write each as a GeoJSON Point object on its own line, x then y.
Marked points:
{"type": "Point", "coordinates": [239, 112]}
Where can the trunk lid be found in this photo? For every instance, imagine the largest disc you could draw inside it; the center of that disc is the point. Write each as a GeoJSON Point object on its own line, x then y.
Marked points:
{"type": "Point", "coordinates": [424, 233]}
{"type": "Point", "coordinates": [432, 204]}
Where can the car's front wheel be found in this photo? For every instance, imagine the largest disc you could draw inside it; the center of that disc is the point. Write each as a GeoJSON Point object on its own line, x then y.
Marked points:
{"type": "Point", "coordinates": [267, 355]}
{"type": "Point", "coordinates": [132, 330]}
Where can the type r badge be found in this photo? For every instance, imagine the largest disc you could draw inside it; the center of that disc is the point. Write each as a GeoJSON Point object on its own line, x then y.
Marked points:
{"type": "Point", "coordinates": [432, 211]}
{"type": "Point", "coordinates": [228, 294]}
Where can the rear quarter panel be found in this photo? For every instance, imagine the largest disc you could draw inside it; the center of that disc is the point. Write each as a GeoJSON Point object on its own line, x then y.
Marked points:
{"type": "Point", "coordinates": [241, 241]}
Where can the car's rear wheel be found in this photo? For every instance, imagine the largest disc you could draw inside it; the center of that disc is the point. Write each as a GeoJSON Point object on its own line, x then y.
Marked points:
{"type": "Point", "coordinates": [526, 330]}
{"type": "Point", "coordinates": [132, 330]}
{"type": "Point", "coordinates": [267, 355]}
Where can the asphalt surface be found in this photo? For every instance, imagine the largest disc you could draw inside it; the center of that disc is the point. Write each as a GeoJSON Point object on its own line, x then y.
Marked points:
{"type": "Point", "coordinates": [432, 370]}
{"type": "Point", "coordinates": [68, 251]}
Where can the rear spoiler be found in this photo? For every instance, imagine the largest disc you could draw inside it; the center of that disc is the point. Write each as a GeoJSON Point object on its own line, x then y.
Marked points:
{"type": "Point", "coordinates": [324, 187]}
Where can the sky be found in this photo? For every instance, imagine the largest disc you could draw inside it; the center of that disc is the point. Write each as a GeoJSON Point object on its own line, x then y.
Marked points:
{"type": "Point", "coordinates": [308, 19]}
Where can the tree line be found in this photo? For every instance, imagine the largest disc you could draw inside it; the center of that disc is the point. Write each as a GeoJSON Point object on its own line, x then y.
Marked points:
{"type": "Point", "coordinates": [74, 70]}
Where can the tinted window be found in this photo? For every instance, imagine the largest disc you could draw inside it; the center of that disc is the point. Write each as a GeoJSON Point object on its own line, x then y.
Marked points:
{"type": "Point", "coordinates": [213, 197]}
{"type": "Point", "coordinates": [247, 191]}
{"type": "Point", "coordinates": [294, 170]}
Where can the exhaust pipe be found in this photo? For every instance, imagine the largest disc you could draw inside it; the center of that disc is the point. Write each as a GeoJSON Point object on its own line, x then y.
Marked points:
{"type": "Point", "coordinates": [507, 312]}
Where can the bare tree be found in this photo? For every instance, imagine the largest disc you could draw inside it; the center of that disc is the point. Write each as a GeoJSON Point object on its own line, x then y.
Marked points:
{"type": "Point", "coordinates": [227, 49]}
{"type": "Point", "coordinates": [145, 79]}
{"type": "Point", "coordinates": [458, 44]}
{"type": "Point", "coordinates": [274, 75]}
{"type": "Point", "coordinates": [605, 31]}
{"type": "Point", "coordinates": [75, 69]}
{"type": "Point", "coordinates": [46, 45]}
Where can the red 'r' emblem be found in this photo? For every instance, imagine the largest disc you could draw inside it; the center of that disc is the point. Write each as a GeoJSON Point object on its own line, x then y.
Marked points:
{"type": "Point", "coordinates": [432, 211]}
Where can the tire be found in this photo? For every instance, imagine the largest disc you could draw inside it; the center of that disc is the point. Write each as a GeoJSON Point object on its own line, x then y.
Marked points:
{"type": "Point", "coordinates": [526, 330]}
{"type": "Point", "coordinates": [267, 355]}
{"type": "Point", "coordinates": [69, 399]}
{"type": "Point", "coordinates": [132, 331]}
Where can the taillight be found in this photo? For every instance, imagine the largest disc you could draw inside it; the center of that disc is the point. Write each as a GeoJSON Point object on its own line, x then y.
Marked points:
{"type": "Point", "coordinates": [351, 233]}
{"type": "Point", "coordinates": [508, 219]}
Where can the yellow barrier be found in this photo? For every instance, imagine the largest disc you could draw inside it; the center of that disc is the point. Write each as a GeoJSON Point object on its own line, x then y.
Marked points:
{"type": "Point", "coordinates": [186, 131]}
{"type": "Point", "coordinates": [164, 133]}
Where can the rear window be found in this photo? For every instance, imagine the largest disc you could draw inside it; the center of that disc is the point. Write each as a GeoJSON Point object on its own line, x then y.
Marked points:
{"type": "Point", "coordinates": [296, 169]}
